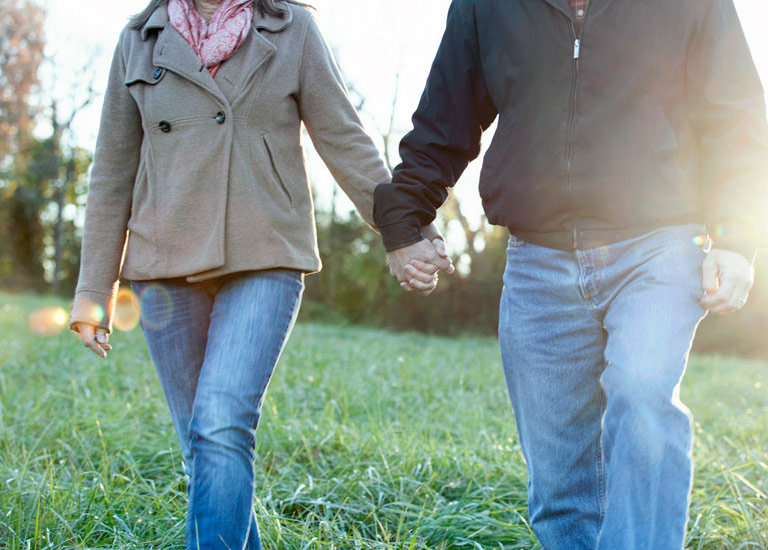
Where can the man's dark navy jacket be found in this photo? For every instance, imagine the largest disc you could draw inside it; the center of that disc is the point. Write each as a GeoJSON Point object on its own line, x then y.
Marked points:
{"type": "Point", "coordinates": [652, 114]}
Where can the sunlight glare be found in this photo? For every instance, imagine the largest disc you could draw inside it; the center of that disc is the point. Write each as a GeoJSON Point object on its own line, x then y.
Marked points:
{"type": "Point", "coordinates": [700, 240]}
{"type": "Point", "coordinates": [48, 321]}
{"type": "Point", "coordinates": [126, 316]}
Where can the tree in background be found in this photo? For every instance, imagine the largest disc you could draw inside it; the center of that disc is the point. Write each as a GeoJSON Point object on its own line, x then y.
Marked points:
{"type": "Point", "coordinates": [21, 52]}
{"type": "Point", "coordinates": [41, 180]}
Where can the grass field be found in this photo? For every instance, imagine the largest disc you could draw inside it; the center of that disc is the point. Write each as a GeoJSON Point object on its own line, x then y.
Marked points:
{"type": "Point", "coordinates": [368, 440]}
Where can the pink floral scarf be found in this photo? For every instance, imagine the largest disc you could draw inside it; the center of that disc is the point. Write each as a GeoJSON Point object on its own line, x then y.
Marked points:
{"type": "Point", "coordinates": [216, 40]}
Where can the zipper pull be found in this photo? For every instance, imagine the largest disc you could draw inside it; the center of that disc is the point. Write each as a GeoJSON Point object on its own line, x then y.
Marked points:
{"type": "Point", "coordinates": [576, 48]}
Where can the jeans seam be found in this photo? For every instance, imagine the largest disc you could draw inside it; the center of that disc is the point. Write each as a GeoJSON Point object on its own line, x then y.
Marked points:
{"type": "Point", "coordinates": [601, 467]}
{"type": "Point", "coordinates": [278, 347]}
{"type": "Point", "coordinates": [586, 296]}
{"type": "Point", "coordinates": [275, 355]}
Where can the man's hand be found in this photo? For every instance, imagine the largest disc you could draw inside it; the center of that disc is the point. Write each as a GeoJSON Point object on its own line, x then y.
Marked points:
{"type": "Point", "coordinates": [728, 278]}
{"type": "Point", "coordinates": [416, 265]}
{"type": "Point", "coordinates": [93, 338]}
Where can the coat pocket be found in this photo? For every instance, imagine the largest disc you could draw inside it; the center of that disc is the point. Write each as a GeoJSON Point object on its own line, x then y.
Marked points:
{"type": "Point", "coordinates": [275, 166]}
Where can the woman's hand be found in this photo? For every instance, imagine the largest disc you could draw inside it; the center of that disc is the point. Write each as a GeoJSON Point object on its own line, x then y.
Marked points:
{"type": "Point", "coordinates": [94, 338]}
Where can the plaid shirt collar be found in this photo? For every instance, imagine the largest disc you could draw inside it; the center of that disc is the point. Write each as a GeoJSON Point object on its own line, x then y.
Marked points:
{"type": "Point", "coordinates": [579, 7]}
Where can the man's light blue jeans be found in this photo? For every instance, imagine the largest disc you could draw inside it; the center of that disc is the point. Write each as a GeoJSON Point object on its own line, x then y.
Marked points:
{"type": "Point", "coordinates": [215, 345]}
{"type": "Point", "coordinates": [594, 345]}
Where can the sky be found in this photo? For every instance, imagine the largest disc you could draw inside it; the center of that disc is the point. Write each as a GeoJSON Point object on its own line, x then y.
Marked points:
{"type": "Point", "coordinates": [374, 40]}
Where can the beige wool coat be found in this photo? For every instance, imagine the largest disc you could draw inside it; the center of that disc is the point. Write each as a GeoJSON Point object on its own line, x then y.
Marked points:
{"type": "Point", "coordinates": [198, 177]}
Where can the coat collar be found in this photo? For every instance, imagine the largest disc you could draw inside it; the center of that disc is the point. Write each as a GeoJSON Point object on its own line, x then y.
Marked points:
{"type": "Point", "coordinates": [159, 20]}
{"type": "Point", "coordinates": [271, 23]}
{"type": "Point", "coordinates": [174, 53]}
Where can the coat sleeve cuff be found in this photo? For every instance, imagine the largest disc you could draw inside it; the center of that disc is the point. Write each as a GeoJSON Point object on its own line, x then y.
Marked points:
{"type": "Point", "coordinates": [94, 308]}
{"type": "Point", "coordinates": [400, 235]}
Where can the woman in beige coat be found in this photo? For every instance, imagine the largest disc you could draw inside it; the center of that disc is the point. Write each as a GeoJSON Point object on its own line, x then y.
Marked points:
{"type": "Point", "coordinates": [199, 196]}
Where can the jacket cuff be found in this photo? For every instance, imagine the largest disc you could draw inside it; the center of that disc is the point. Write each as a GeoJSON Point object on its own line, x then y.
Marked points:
{"type": "Point", "coordinates": [400, 235]}
{"type": "Point", "coordinates": [94, 308]}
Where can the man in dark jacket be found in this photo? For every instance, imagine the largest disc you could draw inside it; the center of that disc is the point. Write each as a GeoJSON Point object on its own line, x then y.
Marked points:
{"type": "Point", "coordinates": [629, 166]}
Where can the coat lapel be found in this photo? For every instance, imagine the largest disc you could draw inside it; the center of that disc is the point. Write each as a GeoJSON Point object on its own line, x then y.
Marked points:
{"type": "Point", "coordinates": [237, 73]}
{"type": "Point", "coordinates": [173, 53]}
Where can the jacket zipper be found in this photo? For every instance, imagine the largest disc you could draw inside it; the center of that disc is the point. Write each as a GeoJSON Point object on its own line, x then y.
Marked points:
{"type": "Point", "coordinates": [572, 116]}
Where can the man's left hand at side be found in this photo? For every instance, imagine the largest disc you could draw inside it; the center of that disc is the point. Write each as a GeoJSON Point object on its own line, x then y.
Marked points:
{"type": "Point", "coordinates": [727, 279]}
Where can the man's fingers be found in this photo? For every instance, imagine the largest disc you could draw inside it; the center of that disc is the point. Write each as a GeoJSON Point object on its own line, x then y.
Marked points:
{"type": "Point", "coordinates": [722, 295]}
{"type": "Point", "coordinates": [709, 275]}
{"type": "Point", "coordinates": [729, 295]}
{"type": "Point", "coordinates": [735, 301]}
{"type": "Point", "coordinates": [439, 245]}
{"type": "Point", "coordinates": [444, 264]}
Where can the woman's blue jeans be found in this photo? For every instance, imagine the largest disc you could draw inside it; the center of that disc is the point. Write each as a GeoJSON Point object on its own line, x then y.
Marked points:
{"type": "Point", "coordinates": [215, 345]}
{"type": "Point", "coordinates": [594, 345]}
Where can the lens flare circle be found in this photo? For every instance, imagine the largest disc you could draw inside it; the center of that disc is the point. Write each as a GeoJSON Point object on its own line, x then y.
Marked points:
{"type": "Point", "coordinates": [126, 316]}
{"type": "Point", "coordinates": [156, 307]}
{"type": "Point", "coordinates": [48, 321]}
{"type": "Point", "coordinates": [699, 240]}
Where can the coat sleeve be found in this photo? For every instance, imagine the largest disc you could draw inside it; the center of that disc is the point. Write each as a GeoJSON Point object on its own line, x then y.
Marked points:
{"type": "Point", "coordinates": [729, 118]}
{"type": "Point", "coordinates": [108, 206]}
{"type": "Point", "coordinates": [334, 126]}
{"type": "Point", "coordinates": [454, 111]}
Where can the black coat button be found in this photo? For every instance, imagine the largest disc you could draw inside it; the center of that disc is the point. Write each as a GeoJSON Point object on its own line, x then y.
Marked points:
{"type": "Point", "coordinates": [165, 126]}
{"type": "Point", "coordinates": [158, 73]}
{"type": "Point", "coordinates": [221, 117]}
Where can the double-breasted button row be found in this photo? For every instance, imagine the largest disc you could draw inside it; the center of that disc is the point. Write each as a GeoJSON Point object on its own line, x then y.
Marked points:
{"type": "Point", "coordinates": [166, 127]}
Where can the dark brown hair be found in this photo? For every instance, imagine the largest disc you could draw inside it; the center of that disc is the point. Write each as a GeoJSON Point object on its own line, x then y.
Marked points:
{"type": "Point", "coordinates": [265, 7]}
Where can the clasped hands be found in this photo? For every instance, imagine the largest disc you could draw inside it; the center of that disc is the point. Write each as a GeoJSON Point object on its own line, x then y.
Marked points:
{"type": "Point", "coordinates": [416, 266]}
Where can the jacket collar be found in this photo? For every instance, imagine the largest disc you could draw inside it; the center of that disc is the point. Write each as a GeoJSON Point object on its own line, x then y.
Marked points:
{"type": "Point", "coordinates": [159, 19]}
{"type": "Point", "coordinates": [562, 5]}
